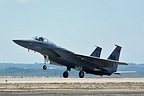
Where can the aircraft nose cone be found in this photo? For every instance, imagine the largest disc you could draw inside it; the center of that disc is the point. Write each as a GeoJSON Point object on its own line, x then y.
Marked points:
{"type": "Point", "coordinates": [22, 43]}
{"type": "Point", "coordinates": [19, 42]}
{"type": "Point", "coordinates": [16, 41]}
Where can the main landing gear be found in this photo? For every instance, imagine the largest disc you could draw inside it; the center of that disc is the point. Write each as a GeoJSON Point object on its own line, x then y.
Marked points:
{"type": "Point", "coordinates": [81, 74]}
{"type": "Point", "coordinates": [66, 74]}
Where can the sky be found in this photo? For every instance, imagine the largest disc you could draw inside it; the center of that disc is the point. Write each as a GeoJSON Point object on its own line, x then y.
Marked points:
{"type": "Point", "coordinates": [77, 25]}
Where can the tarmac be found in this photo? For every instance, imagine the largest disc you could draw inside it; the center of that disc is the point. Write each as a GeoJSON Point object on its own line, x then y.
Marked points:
{"type": "Point", "coordinates": [43, 86]}
{"type": "Point", "coordinates": [67, 80]}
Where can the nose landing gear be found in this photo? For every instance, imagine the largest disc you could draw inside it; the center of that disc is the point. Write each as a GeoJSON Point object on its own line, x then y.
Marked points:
{"type": "Point", "coordinates": [44, 67]}
{"type": "Point", "coordinates": [46, 59]}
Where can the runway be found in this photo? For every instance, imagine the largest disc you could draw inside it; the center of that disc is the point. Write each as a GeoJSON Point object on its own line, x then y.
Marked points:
{"type": "Point", "coordinates": [67, 80]}
{"type": "Point", "coordinates": [76, 93]}
{"type": "Point", "coordinates": [71, 86]}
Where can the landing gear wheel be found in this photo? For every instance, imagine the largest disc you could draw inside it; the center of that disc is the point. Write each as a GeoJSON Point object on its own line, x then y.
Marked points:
{"type": "Point", "coordinates": [81, 74]}
{"type": "Point", "coordinates": [44, 67]}
{"type": "Point", "coordinates": [65, 74]}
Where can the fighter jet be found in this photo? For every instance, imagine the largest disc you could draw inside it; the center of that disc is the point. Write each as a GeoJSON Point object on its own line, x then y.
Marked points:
{"type": "Point", "coordinates": [56, 55]}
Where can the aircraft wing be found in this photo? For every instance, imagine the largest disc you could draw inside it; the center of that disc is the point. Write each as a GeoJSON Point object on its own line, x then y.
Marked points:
{"type": "Point", "coordinates": [102, 61]}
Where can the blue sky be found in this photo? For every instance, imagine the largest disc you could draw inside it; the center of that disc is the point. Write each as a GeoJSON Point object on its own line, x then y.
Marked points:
{"type": "Point", "coordinates": [77, 25]}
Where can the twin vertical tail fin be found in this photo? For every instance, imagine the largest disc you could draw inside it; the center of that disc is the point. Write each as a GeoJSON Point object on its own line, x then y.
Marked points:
{"type": "Point", "coordinates": [115, 54]}
{"type": "Point", "coordinates": [96, 52]}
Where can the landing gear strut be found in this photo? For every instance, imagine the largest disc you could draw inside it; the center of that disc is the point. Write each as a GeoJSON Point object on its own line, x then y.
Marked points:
{"type": "Point", "coordinates": [66, 74]}
{"type": "Point", "coordinates": [81, 73]}
{"type": "Point", "coordinates": [46, 61]}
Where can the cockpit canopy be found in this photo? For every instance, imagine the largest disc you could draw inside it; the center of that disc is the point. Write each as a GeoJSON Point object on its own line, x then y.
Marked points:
{"type": "Point", "coordinates": [45, 40]}
{"type": "Point", "coordinates": [40, 39]}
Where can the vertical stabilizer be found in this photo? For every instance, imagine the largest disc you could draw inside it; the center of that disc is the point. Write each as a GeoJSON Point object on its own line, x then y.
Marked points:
{"type": "Point", "coordinates": [96, 52]}
{"type": "Point", "coordinates": [115, 54]}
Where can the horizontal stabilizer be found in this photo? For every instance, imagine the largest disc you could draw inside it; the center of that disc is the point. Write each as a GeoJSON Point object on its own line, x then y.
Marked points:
{"type": "Point", "coordinates": [117, 73]}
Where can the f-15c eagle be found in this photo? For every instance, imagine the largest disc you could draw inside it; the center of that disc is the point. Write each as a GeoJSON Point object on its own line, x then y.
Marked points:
{"type": "Point", "coordinates": [92, 64]}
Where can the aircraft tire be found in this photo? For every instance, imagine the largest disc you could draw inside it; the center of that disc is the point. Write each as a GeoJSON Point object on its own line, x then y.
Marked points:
{"type": "Point", "coordinates": [81, 74]}
{"type": "Point", "coordinates": [65, 74]}
{"type": "Point", "coordinates": [44, 67]}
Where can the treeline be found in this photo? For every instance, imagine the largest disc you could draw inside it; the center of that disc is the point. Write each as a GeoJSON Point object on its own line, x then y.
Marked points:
{"type": "Point", "coordinates": [10, 69]}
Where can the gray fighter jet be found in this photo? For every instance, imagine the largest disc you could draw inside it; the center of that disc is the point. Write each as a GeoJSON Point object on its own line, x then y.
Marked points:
{"type": "Point", "coordinates": [92, 64]}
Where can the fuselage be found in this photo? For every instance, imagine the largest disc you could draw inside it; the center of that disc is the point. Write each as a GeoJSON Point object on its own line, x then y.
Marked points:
{"type": "Point", "coordinates": [61, 56]}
